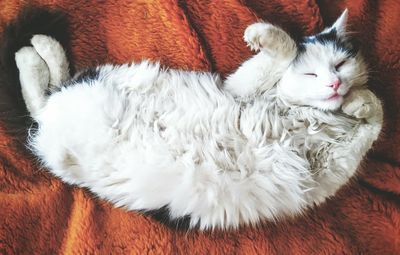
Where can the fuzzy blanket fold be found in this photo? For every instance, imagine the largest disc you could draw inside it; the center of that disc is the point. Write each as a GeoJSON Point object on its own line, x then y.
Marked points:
{"type": "Point", "coordinates": [41, 215]}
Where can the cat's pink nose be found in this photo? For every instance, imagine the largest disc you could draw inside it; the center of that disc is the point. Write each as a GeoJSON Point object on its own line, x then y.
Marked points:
{"type": "Point", "coordinates": [335, 84]}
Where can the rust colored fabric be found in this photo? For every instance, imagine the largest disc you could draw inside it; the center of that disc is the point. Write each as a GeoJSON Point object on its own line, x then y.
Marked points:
{"type": "Point", "coordinates": [41, 215]}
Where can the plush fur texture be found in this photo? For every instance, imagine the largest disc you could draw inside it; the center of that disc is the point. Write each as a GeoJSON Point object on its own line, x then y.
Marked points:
{"type": "Point", "coordinates": [41, 214]}
{"type": "Point", "coordinates": [222, 154]}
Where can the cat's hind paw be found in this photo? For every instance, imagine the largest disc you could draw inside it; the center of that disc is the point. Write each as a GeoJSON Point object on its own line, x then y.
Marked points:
{"type": "Point", "coordinates": [54, 55]}
{"type": "Point", "coordinates": [32, 69]}
{"type": "Point", "coordinates": [34, 77]}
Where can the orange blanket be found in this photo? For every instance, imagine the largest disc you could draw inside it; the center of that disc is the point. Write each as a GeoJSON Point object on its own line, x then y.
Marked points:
{"type": "Point", "coordinates": [41, 215]}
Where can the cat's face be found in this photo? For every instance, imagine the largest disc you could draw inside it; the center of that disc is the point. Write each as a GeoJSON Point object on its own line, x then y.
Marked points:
{"type": "Point", "coordinates": [324, 70]}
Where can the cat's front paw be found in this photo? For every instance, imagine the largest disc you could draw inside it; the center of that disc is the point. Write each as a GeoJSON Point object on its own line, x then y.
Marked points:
{"type": "Point", "coordinates": [361, 104]}
{"type": "Point", "coordinates": [261, 35]}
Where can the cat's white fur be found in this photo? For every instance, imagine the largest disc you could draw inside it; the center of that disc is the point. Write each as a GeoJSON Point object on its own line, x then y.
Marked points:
{"type": "Point", "coordinates": [225, 154]}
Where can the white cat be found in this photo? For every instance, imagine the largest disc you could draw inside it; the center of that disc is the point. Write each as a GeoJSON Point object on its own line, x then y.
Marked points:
{"type": "Point", "coordinates": [282, 133]}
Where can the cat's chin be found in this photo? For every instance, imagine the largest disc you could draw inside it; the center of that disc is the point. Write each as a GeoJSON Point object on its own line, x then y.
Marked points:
{"type": "Point", "coordinates": [331, 104]}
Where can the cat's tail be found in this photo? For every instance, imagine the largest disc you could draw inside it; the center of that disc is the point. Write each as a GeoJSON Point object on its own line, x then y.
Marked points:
{"type": "Point", "coordinates": [16, 37]}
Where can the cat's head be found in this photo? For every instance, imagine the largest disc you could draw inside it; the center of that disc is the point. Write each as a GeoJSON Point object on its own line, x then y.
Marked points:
{"type": "Point", "coordinates": [325, 69]}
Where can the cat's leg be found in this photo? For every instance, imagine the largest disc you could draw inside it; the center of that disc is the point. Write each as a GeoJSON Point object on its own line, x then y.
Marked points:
{"type": "Point", "coordinates": [54, 55]}
{"type": "Point", "coordinates": [363, 104]}
{"type": "Point", "coordinates": [271, 39]}
{"type": "Point", "coordinates": [262, 71]}
{"type": "Point", "coordinates": [344, 158]}
{"type": "Point", "coordinates": [34, 77]}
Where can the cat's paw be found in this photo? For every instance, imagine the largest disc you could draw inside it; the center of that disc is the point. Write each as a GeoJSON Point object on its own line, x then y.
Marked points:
{"type": "Point", "coordinates": [27, 56]}
{"type": "Point", "coordinates": [271, 39]}
{"type": "Point", "coordinates": [51, 51]}
{"type": "Point", "coordinates": [261, 35]}
{"type": "Point", "coordinates": [34, 78]}
{"type": "Point", "coordinates": [46, 46]}
{"type": "Point", "coordinates": [32, 67]}
{"type": "Point", "coordinates": [361, 104]}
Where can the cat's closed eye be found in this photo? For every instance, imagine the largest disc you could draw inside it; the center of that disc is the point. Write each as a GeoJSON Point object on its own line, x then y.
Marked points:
{"type": "Point", "coordinates": [311, 74]}
{"type": "Point", "coordinates": [337, 66]}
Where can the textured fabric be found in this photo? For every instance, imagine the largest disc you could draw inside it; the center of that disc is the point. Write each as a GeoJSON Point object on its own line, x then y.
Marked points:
{"type": "Point", "coordinates": [41, 215]}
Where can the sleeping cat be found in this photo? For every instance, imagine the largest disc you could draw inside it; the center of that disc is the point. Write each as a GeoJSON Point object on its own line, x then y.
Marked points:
{"type": "Point", "coordinates": [281, 134]}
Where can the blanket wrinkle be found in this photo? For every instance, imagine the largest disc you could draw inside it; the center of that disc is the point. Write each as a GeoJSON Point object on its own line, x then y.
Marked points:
{"type": "Point", "coordinates": [41, 215]}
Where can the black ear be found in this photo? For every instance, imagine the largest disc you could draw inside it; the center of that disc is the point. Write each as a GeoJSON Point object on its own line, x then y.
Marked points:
{"type": "Point", "coordinates": [340, 24]}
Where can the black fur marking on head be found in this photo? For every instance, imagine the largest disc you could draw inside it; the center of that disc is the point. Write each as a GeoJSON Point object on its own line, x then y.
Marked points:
{"type": "Point", "coordinates": [322, 38]}
{"type": "Point", "coordinates": [330, 37]}
{"type": "Point", "coordinates": [162, 215]}
{"type": "Point", "coordinates": [87, 75]}
{"type": "Point", "coordinates": [17, 34]}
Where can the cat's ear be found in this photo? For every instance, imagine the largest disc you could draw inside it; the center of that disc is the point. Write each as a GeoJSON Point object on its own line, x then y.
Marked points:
{"type": "Point", "coordinates": [341, 23]}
